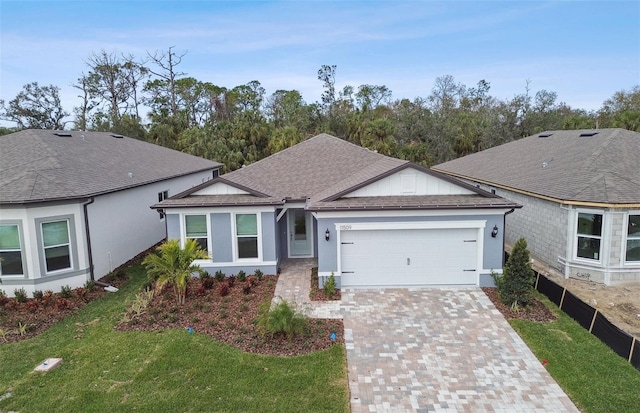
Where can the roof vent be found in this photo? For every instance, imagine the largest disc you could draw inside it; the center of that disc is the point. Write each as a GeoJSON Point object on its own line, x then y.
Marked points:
{"type": "Point", "coordinates": [67, 134]}
{"type": "Point", "coordinates": [117, 136]}
{"type": "Point", "coordinates": [588, 134]}
{"type": "Point", "coordinates": [545, 135]}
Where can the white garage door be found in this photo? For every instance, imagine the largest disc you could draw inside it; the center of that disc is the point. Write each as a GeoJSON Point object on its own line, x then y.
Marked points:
{"type": "Point", "coordinates": [405, 257]}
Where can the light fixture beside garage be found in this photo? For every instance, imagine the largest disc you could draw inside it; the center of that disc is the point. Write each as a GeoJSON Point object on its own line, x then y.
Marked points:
{"type": "Point", "coordinates": [327, 234]}
{"type": "Point", "coordinates": [494, 232]}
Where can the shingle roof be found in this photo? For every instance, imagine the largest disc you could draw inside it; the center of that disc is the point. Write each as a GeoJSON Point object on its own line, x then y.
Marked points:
{"type": "Point", "coordinates": [318, 171]}
{"type": "Point", "coordinates": [601, 168]}
{"type": "Point", "coordinates": [38, 165]}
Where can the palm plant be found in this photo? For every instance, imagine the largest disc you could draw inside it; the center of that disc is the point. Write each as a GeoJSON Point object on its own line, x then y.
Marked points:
{"type": "Point", "coordinates": [173, 265]}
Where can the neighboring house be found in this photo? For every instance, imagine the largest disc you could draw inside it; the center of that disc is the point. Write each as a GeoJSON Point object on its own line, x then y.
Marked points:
{"type": "Point", "coordinates": [369, 219]}
{"type": "Point", "coordinates": [76, 205]}
{"type": "Point", "coordinates": [580, 191]}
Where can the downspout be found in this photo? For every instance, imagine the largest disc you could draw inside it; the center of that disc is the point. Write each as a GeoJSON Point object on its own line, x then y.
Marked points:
{"type": "Point", "coordinates": [504, 232]}
{"type": "Point", "coordinates": [88, 235]}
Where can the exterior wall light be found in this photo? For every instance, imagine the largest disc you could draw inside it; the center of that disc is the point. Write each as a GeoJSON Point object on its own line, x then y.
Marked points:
{"type": "Point", "coordinates": [494, 232]}
{"type": "Point", "coordinates": [327, 234]}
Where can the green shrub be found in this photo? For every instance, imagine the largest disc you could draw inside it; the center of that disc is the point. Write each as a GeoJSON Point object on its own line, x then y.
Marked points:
{"type": "Point", "coordinates": [242, 276]}
{"type": "Point", "coordinates": [90, 285]}
{"type": "Point", "coordinates": [258, 273]}
{"type": "Point", "coordinates": [329, 286]}
{"type": "Point", "coordinates": [38, 294]}
{"type": "Point", "coordinates": [65, 291]}
{"type": "Point", "coordinates": [20, 295]}
{"type": "Point", "coordinates": [220, 276]}
{"type": "Point", "coordinates": [281, 319]}
{"type": "Point", "coordinates": [516, 284]}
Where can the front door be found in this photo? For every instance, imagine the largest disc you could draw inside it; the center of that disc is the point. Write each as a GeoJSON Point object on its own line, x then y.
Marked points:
{"type": "Point", "coordinates": [300, 233]}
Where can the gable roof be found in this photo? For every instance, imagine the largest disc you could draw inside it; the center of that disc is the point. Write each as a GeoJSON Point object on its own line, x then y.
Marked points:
{"type": "Point", "coordinates": [598, 166]}
{"type": "Point", "coordinates": [44, 165]}
{"type": "Point", "coordinates": [319, 171]}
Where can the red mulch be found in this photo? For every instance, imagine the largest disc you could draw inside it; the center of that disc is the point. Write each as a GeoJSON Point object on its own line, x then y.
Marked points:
{"type": "Point", "coordinates": [232, 319]}
{"type": "Point", "coordinates": [535, 311]}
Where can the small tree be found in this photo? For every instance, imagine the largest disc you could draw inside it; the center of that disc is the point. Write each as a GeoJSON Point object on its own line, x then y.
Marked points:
{"type": "Point", "coordinates": [516, 284]}
{"type": "Point", "coordinates": [174, 265]}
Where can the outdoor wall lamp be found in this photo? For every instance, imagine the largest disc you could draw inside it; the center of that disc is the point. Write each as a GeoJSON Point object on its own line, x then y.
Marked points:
{"type": "Point", "coordinates": [327, 234]}
{"type": "Point", "coordinates": [494, 233]}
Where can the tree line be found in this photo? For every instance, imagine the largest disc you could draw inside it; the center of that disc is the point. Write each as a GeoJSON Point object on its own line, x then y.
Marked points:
{"type": "Point", "coordinates": [240, 125]}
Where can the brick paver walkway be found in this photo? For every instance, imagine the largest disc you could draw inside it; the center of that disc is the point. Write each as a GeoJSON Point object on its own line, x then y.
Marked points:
{"type": "Point", "coordinates": [430, 350]}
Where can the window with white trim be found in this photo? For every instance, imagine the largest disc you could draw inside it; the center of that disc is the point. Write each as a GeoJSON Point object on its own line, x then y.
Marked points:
{"type": "Point", "coordinates": [163, 195]}
{"type": "Point", "coordinates": [247, 235]}
{"type": "Point", "coordinates": [633, 239]}
{"type": "Point", "coordinates": [589, 236]}
{"type": "Point", "coordinates": [56, 245]}
{"type": "Point", "coordinates": [10, 250]}
{"type": "Point", "coordinates": [196, 228]}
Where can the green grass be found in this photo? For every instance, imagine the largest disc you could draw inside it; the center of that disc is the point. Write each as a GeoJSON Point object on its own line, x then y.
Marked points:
{"type": "Point", "coordinates": [107, 370]}
{"type": "Point", "coordinates": [596, 379]}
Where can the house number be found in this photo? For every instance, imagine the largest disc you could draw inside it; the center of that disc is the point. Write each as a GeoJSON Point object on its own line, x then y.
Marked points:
{"type": "Point", "coordinates": [345, 227]}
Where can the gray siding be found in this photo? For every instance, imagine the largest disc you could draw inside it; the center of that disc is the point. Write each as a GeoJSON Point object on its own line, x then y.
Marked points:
{"type": "Point", "coordinates": [221, 237]}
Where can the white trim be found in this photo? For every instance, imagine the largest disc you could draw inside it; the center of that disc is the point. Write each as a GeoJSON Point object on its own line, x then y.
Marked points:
{"type": "Point", "coordinates": [241, 263]}
{"type": "Point", "coordinates": [234, 237]}
{"type": "Point", "coordinates": [603, 235]}
{"type": "Point", "coordinates": [409, 213]}
{"type": "Point", "coordinates": [222, 209]}
{"type": "Point", "coordinates": [625, 239]}
{"type": "Point", "coordinates": [183, 229]}
{"type": "Point", "coordinates": [68, 245]}
{"type": "Point", "coordinates": [365, 226]}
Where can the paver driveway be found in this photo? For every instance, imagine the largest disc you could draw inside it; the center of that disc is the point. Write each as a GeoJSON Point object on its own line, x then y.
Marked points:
{"type": "Point", "coordinates": [440, 350]}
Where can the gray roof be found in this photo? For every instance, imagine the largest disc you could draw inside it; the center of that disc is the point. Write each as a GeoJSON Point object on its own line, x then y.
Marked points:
{"type": "Point", "coordinates": [38, 165]}
{"type": "Point", "coordinates": [319, 171]}
{"type": "Point", "coordinates": [601, 166]}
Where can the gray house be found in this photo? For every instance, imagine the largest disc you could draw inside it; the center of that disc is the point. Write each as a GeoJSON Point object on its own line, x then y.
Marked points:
{"type": "Point", "coordinates": [75, 205]}
{"type": "Point", "coordinates": [369, 219]}
{"type": "Point", "coordinates": [580, 191]}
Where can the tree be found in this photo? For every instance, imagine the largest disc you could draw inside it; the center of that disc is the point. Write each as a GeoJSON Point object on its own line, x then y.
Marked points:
{"type": "Point", "coordinates": [516, 284]}
{"type": "Point", "coordinates": [167, 62]}
{"type": "Point", "coordinates": [174, 265]}
{"type": "Point", "coordinates": [36, 107]}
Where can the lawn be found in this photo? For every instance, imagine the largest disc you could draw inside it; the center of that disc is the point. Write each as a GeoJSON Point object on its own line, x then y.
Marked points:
{"type": "Point", "coordinates": [596, 379]}
{"type": "Point", "coordinates": [171, 370]}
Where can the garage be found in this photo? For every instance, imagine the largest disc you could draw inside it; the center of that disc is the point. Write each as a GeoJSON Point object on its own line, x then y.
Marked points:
{"type": "Point", "coordinates": [378, 257]}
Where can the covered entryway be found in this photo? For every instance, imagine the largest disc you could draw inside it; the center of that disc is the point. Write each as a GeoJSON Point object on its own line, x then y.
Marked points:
{"type": "Point", "coordinates": [410, 256]}
{"type": "Point", "coordinates": [300, 228]}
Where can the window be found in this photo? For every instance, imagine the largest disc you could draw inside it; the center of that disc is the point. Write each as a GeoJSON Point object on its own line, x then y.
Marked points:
{"type": "Point", "coordinates": [633, 239]}
{"type": "Point", "coordinates": [10, 252]}
{"type": "Point", "coordinates": [55, 240]}
{"type": "Point", "coordinates": [196, 228]}
{"type": "Point", "coordinates": [216, 173]}
{"type": "Point", "coordinates": [247, 235]}
{"type": "Point", "coordinates": [589, 234]}
{"type": "Point", "coordinates": [163, 195]}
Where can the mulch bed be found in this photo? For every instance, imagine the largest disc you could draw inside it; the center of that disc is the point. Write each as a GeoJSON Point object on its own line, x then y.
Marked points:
{"type": "Point", "coordinates": [21, 321]}
{"type": "Point", "coordinates": [535, 311]}
{"type": "Point", "coordinates": [232, 319]}
{"type": "Point", "coordinates": [318, 294]}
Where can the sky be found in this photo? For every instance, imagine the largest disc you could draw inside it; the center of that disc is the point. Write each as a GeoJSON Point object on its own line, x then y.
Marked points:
{"type": "Point", "coordinates": [585, 51]}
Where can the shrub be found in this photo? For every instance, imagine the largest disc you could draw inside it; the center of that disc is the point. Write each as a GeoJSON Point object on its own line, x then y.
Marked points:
{"type": "Point", "coordinates": [220, 276]}
{"type": "Point", "coordinates": [90, 285]}
{"type": "Point", "coordinates": [3, 297]}
{"type": "Point", "coordinates": [242, 276]}
{"type": "Point", "coordinates": [258, 273]}
{"type": "Point", "coordinates": [38, 294]}
{"type": "Point", "coordinates": [252, 280]}
{"type": "Point", "coordinates": [516, 284]}
{"type": "Point", "coordinates": [82, 293]}
{"type": "Point", "coordinates": [207, 283]}
{"type": "Point", "coordinates": [201, 291]}
{"type": "Point", "coordinates": [246, 288]}
{"type": "Point", "coordinates": [329, 286]}
{"type": "Point", "coordinates": [65, 291]}
{"type": "Point", "coordinates": [20, 294]}
{"type": "Point", "coordinates": [223, 289]}
{"type": "Point", "coordinates": [204, 275]}
{"type": "Point", "coordinates": [32, 305]}
{"type": "Point", "coordinates": [281, 319]}
{"type": "Point", "coordinates": [48, 297]}
{"type": "Point", "coordinates": [62, 303]}
{"type": "Point", "coordinates": [231, 280]}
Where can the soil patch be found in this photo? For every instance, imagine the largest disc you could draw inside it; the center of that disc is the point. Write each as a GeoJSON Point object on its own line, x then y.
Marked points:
{"type": "Point", "coordinates": [535, 311]}
{"type": "Point", "coordinates": [232, 318]}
